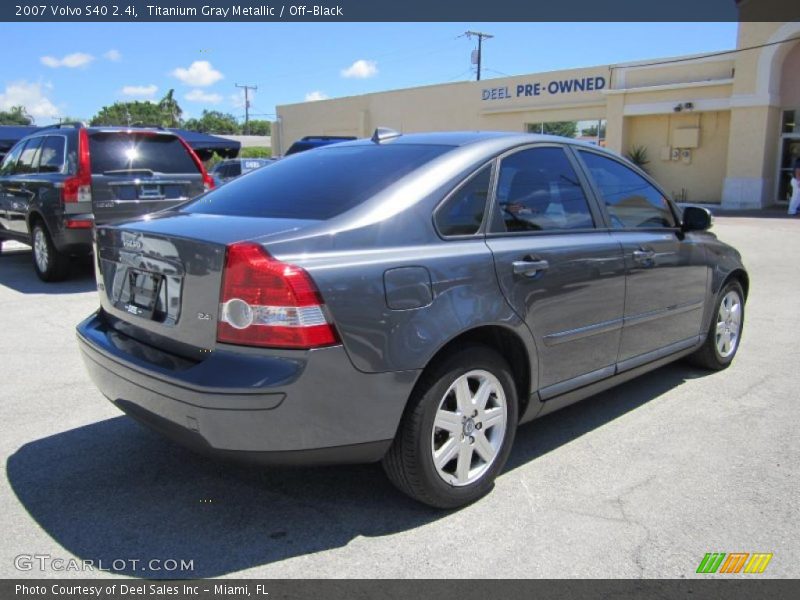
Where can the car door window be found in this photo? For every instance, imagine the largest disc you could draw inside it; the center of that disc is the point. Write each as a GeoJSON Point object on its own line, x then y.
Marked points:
{"type": "Point", "coordinates": [52, 155]}
{"type": "Point", "coordinates": [30, 156]}
{"type": "Point", "coordinates": [538, 190]}
{"type": "Point", "coordinates": [631, 201]}
{"type": "Point", "coordinates": [10, 161]}
{"type": "Point", "coordinates": [462, 213]}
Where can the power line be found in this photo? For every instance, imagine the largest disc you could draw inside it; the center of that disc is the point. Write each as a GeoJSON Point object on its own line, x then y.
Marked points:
{"type": "Point", "coordinates": [709, 54]}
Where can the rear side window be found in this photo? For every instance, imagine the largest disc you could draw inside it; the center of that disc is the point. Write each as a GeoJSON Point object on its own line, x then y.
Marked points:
{"type": "Point", "coordinates": [10, 160]}
{"type": "Point", "coordinates": [631, 201]}
{"type": "Point", "coordinates": [538, 190]}
{"type": "Point", "coordinates": [462, 213]}
{"type": "Point", "coordinates": [30, 156]}
{"type": "Point", "coordinates": [52, 155]}
{"type": "Point", "coordinates": [122, 151]}
{"type": "Point", "coordinates": [316, 185]}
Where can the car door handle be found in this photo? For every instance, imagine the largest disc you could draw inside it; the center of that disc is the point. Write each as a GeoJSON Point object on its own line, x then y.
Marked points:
{"type": "Point", "coordinates": [529, 268]}
{"type": "Point", "coordinates": [643, 255]}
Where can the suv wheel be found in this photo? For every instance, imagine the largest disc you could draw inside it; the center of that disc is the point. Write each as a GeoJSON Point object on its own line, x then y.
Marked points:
{"type": "Point", "coordinates": [50, 265]}
{"type": "Point", "coordinates": [457, 431]}
{"type": "Point", "coordinates": [725, 331]}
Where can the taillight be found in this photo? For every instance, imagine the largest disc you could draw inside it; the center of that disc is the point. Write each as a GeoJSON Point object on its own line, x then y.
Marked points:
{"type": "Point", "coordinates": [265, 302]}
{"type": "Point", "coordinates": [78, 188]}
{"type": "Point", "coordinates": [208, 181]}
{"type": "Point", "coordinates": [79, 223]}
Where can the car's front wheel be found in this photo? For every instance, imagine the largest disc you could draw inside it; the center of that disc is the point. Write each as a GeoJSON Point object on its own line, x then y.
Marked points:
{"type": "Point", "coordinates": [457, 431]}
{"type": "Point", "coordinates": [48, 262]}
{"type": "Point", "coordinates": [725, 331]}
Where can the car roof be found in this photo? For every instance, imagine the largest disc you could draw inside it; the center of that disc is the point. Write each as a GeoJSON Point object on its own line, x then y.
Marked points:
{"type": "Point", "coordinates": [493, 139]}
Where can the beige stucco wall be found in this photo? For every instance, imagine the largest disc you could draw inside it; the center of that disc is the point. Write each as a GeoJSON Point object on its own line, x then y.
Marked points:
{"type": "Point", "coordinates": [448, 107]}
{"type": "Point", "coordinates": [790, 79]}
{"type": "Point", "coordinates": [702, 177]}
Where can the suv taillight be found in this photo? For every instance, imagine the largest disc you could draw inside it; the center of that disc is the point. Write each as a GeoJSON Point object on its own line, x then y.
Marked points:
{"type": "Point", "coordinates": [265, 302]}
{"type": "Point", "coordinates": [78, 188]}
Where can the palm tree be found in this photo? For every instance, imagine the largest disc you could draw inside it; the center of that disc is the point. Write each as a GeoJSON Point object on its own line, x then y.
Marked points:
{"type": "Point", "coordinates": [170, 110]}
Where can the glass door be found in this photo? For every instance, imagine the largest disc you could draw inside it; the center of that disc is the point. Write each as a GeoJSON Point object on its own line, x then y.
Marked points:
{"type": "Point", "coordinates": [789, 153]}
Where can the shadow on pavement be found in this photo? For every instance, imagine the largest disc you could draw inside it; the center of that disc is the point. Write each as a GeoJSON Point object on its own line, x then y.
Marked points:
{"type": "Point", "coordinates": [16, 273]}
{"type": "Point", "coordinates": [112, 490]}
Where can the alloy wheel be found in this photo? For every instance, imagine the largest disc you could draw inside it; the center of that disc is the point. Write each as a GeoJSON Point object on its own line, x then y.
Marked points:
{"type": "Point", "coordinates": [40, 250]}
{"type": "Point", "coordinates": [729, 323]}
{"type": "Point", "coordinates": [469, 428]}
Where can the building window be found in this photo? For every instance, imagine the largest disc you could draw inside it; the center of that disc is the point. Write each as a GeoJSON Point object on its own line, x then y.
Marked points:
{"type": "Point", "coordinates": [587, 130]}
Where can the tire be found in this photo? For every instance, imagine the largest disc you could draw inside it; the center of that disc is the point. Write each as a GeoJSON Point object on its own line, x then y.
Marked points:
{"type": "Point", "coordinates": [49, 264]}
{"type": "Point", "coordinates": [472, 466]}
{"type": "Point", "coordinates": [714, 355]}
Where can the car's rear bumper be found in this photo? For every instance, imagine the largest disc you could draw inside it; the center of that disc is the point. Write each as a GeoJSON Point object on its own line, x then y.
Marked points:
{"type": "Point", "coordinates": [312, 407]}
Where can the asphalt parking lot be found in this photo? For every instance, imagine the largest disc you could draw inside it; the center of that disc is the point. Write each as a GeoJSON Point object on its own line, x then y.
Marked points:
{"type": "Point", "coordinates": [640, 481]}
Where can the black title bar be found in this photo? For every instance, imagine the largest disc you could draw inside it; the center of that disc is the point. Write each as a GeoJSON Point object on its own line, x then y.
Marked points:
{"type": "Point", "coordinates": [400, 10]}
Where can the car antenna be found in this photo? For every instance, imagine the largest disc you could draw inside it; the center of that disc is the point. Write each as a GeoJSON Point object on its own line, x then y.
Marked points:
{"type": "Point", "coordinates": [384, 133]}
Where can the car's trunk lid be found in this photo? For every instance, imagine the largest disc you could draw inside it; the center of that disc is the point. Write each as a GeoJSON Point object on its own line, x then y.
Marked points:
{"type": "Point", "coordinates": [159, 279]}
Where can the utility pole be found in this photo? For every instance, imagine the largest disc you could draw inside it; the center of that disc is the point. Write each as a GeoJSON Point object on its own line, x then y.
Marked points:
{"type": "Point", "coordinates": [247, 89]}
{"type": "Point", "coordinates": [481, 36]}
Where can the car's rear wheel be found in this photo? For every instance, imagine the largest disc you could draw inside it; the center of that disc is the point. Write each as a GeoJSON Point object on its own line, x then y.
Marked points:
{"type": "Point", "coordinates": [48, 262]}
{"type": "Point", "coordinates": [724, 332]}
{"type": "Point", "coordinates": [457, 431]}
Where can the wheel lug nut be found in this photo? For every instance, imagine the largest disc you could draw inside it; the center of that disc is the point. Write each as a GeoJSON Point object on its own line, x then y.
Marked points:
{"type": "Point", "coordinates": [478, 425]}
{"type": "Point", "coordinates": [471, 440]}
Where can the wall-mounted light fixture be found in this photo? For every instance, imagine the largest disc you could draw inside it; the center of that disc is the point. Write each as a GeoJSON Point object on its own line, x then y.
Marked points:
{"type": "Point", "coordinates": [681, 106]}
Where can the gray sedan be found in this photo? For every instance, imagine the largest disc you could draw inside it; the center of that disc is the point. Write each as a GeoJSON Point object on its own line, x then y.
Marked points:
{"type": "Point", "coordinates": [409, 299]}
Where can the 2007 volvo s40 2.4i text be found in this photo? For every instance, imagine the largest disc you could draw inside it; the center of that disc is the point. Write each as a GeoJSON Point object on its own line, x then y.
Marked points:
{"type": "Point", "coordinates": [405, 298]}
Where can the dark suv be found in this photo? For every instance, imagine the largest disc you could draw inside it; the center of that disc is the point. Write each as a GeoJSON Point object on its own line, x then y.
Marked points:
{"type": "Point", "coordinates": [226, 170]}
{"type": "Point", "coordinates": [58, 182]}
{"type": "Point", "coordinates": [412, 301]}
{"type": "Point", "coordinates": [310, 142]}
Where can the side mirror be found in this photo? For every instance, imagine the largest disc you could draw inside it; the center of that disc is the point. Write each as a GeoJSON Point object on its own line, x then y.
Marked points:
{"type": "Point", "coordinates": [696, 218]}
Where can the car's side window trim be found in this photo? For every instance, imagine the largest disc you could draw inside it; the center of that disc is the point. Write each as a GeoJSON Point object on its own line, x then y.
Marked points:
{"type": "Point", "coordinates": [601, 202]}
{"type": "Point", "coordinates": [481, 231]}
{"type": "Point", "coordinates": [495, 226]}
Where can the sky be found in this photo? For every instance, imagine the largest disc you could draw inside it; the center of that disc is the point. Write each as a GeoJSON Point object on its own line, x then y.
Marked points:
{"type": "Point", "coordinates": [73, 69]}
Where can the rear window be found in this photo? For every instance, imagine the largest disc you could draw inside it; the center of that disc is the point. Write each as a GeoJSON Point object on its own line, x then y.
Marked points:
{"type": "Point", "coordinates": [124, 151]}
{"type": "Point", "coordinates": [316, 185]}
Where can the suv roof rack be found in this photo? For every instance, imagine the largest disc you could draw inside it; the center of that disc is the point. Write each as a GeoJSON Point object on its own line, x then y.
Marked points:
{"type": "Point", "coordinates": [73, 124]}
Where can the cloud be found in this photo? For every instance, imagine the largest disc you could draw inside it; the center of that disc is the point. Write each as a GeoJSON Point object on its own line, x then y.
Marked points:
{"type": "Point", "coordinates": [140, 91]}
{"type": "Point", "coordinates": [201, 96]}
{"type": "Point", "coordinates": [316, 95]}
{"type": "Point", "coordinates": [72, 61]}
{"type": "Point", "coordinates": [113, 55]}
{"type": "Point", "coordinates": [31, 96]}
{"type": "Point", "coordinates": [361, 69]}
{"type": "Point", "coordinates": [199, 74]}
{"type": "Point", "coordinates": [237, 99]}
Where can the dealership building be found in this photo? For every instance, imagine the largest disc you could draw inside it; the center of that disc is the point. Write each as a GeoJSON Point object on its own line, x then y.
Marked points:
{"type": "Point", "coordinates": [720, 128]}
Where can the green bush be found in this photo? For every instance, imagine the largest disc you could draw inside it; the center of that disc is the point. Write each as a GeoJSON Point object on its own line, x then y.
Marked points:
{"type": "Point", "coordinates": [255, 152]}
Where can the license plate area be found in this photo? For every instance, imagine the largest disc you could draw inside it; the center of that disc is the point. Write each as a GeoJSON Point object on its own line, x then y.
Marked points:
{"type": "Point", "coordinates": [150, 191]}
{"type": "Point", "coordinates": [146, 295]}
